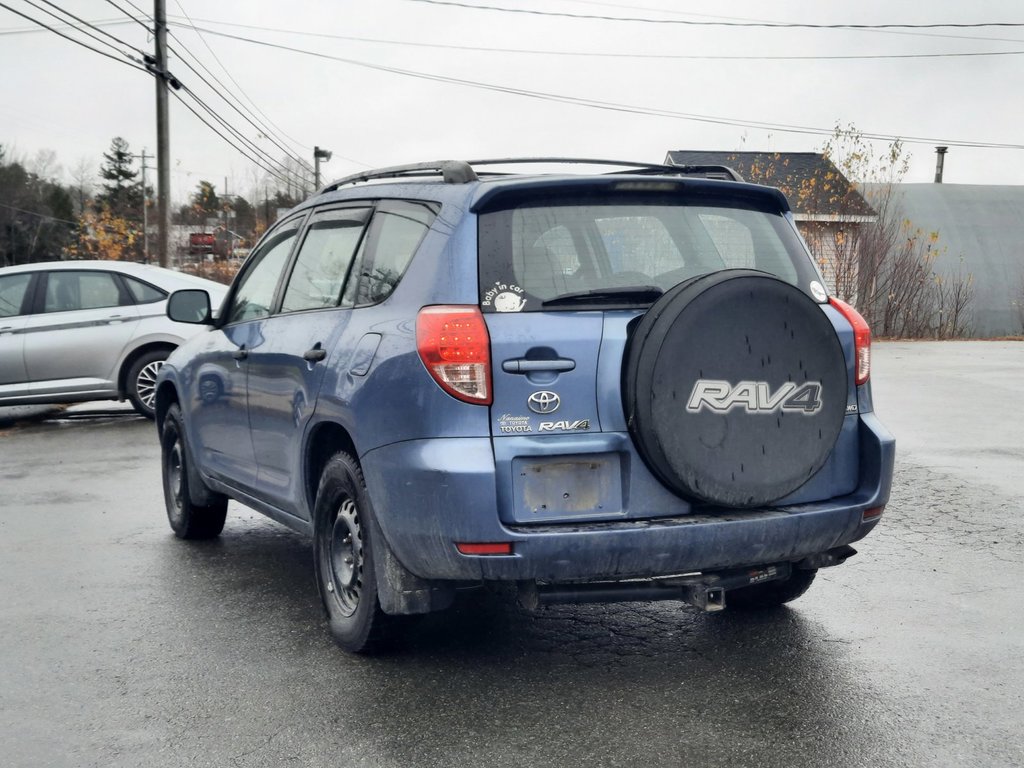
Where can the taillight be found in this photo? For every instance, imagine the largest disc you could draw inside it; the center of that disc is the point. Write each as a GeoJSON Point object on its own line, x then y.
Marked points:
{"type": "Point", "coordinates": [456, 350]}
{"type": "Point", "coordinates": [861, 339]}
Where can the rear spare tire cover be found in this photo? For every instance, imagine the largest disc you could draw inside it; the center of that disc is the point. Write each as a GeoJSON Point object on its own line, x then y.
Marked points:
{"type": "Point", "coordinates": [735, 388]}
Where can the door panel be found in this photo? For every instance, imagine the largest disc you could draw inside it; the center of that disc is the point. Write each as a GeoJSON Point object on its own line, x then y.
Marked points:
{"type": "Point", "coordinates": [216, 394]}
{"type": "Point", "coordinates": [75, 343]}
{"type": "Point", "coordinates": [219, 388]}
{"type": "Point", "coordinates": [13, 376]}
{"type": "Point", "coordinates": [287, 366]}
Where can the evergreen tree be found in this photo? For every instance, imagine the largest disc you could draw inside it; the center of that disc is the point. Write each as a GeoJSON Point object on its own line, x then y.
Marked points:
{"type": "Point", "coordinates": [121, 191]}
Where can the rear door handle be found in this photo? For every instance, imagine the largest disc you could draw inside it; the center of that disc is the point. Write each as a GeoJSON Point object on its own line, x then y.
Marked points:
{"type": "Point", "coordinates": [525, 365]}
{"type": "Point", "coordinates": [316, 354]}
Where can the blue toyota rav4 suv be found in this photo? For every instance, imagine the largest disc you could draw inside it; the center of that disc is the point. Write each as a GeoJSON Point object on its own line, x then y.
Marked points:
{"type": "Point", "coordinates": [628, 385]}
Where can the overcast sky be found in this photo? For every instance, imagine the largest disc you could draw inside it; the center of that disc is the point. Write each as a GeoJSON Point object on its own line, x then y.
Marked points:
{"type": "Point", "coordinates": [59, 96]}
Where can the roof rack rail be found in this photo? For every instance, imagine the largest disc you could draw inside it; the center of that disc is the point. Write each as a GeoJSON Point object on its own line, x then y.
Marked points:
{"type": "Point", "coordinates": [452, 171]}
{"type": "Point", "coordinates": [462, 171]}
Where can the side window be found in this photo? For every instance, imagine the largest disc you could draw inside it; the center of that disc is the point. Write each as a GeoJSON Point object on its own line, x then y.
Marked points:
{"type": "Point", "coordinates": [12, 293]}
{"type": "Point", "coordinates": [324, 259]}
{"type": "Point", "coordinates": [255, 292]}
{"type": "Point", "coordinates": [143, 293]}
{"type": "Point", "coordinates": [396, 231]}
{"type": "Point", "coordinates": [67, 291]}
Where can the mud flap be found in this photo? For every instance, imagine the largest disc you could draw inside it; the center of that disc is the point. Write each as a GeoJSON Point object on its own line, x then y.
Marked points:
{"type": "Point", "coordinates": [400, 591]}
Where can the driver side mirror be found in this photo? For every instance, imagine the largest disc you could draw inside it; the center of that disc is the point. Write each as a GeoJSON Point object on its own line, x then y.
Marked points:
{"type": "Point", "coordinates": [190, 306]}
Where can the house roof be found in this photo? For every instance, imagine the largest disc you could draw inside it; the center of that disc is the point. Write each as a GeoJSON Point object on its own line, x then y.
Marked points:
{"type": "Point", "coordinates": [980, 233]}
{"type": "Point", "coordinates": [815, 187]}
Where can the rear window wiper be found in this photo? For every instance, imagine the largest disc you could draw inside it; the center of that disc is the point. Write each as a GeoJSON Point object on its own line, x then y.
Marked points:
{"type": "Point", "coordinates": [636, 294]}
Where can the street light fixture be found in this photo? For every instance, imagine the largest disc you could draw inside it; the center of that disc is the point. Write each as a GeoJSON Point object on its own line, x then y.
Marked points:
{"type": "Point", "coordinates": [318, 155]}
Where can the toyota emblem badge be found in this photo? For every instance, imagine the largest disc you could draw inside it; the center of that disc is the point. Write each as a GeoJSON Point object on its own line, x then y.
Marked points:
{"type": "Point", "coordinates": [543, 402]}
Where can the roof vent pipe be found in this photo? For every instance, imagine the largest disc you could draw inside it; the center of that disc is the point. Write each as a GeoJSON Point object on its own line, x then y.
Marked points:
{"type": "Point", "coordinates": [940, 159]}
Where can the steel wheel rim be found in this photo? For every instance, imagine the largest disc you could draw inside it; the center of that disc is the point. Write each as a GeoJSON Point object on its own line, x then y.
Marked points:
{"type": "Point", "coordinates": [345, 559]}
{"type": "Point", "coordinates": [176, 478]}
{"type": "Point", "coordinates": [145, 383]}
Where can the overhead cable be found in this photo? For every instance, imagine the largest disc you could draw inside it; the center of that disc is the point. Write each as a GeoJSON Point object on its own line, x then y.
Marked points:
{"type": "Point", "coordinates": [127, 60]}
{"type": "Point", "coordinates": [721, 23]}
{"type": "Point", "coordinates": [617, 107]}
{"type": "Point", "coordinates": [228, 141]}
{"type": "Point", "coordinates": [600, 54]}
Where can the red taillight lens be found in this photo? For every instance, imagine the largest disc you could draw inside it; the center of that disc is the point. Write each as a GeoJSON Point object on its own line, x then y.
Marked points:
{"type": "Point", "coordinates": [456, 350]}
{"type": "Point", "coordinates": [861, 338]}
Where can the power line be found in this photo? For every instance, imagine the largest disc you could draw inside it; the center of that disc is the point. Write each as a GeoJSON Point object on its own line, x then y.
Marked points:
{"type": "Point", "coordinates": [539, 51]}
{"type": "Point", "coordinates": [740, 18]}
{"type": "Point", "coordinates": [80, 20]}
{"type": "Point", "coordinates": [605, 54]}
{"type": "Point", "coordinates": [38, 215]}
{"type": "Point", "coordinates": [260, 129]}
{"type": "Point", "coordinates": [128, 63]}
{"type": "Point", "coordinates": [232, 79]}
{"type": "Point", "coordinates": [618, 107]}
{"type": "Point", "coordinates": [132, 18]}
{"type": "Point", "coordinates": [249, 144]}
{"type": "Point", "coordinates": [228, 141]}
{"type": "Point", "coordinates": [37, 30]}
{"type": "Point", "coordinates": [743, 24]}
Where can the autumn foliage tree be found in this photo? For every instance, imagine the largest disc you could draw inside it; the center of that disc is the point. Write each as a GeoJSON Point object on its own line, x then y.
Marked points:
{"type": "Point", "coordinates": [104, 235]}
{"type": "Point", "coordinates": [882, 263]}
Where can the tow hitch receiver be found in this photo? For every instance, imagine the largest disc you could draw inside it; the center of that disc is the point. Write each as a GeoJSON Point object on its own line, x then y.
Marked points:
{"type": "Point", "coordinates": [703, 590]}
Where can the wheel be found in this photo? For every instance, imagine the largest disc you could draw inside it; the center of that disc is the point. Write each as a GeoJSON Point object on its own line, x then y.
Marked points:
{"type": "Point", "coordinates": [141, 381]}
{"type": "Point", "coordinates": [188, 520]}
{"type": "Point", "coordinates": [735, 388]}
{"type": "Point", "coordinates": [771, 594]}
{"type": "Point", "coordinates": [343, 559]}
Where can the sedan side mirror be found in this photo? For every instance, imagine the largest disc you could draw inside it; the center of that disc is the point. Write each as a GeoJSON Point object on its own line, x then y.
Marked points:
{"type": "Point", "coordinates": [190, 306]}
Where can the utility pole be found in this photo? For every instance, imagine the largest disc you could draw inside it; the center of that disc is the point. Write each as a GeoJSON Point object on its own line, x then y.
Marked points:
{"type": "Point", "coordinates": [163, 141]}
{"type": "Point", "coordinates": [145, 214]}
{"type": "Point", "coordinates": [318, 155]}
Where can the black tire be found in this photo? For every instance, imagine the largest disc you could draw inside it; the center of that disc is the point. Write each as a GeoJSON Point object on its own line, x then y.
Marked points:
{"type": "Point", "coordinates": [700, 346]}
{"type": "Point", "coordinates": [188, 520]}
{"type": "Point", "coordinates": [772, 594]}
{"type": "Point", "coordinates": [140, 382]}
{"type": "Point", "coordinates": [343, 559]}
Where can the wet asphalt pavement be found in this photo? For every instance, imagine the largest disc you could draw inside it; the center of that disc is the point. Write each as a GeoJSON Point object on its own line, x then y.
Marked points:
{"type": "Point", "coordinates": [122, 646]}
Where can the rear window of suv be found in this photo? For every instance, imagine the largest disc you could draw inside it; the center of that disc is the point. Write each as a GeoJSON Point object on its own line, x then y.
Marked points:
{"type": "Point", "coordinates": [536, 252]}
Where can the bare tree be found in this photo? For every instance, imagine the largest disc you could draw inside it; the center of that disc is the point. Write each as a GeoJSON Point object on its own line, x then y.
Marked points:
{"type": "Point", "coordinates": [44, 165]}
{"type": "Point", "coordinates": [83, 178]}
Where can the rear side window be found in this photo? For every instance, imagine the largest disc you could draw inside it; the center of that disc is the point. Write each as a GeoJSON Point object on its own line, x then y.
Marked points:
{"type": "Point", "coordinates": [324, 259]}
{"type": "Point", "coordinates": [396, 231]}
{"type": "Point", "coordinates": [67, 291]}
{"type": "Point", "coordinates": [535, 252]}
{"type": "Point", "coordinates": [12, 293]}
{"type": "Point", "coordinates": [143, 293]}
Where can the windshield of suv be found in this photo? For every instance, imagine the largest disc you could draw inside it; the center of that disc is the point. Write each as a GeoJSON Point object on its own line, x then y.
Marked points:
{"type": "Point", "coordinates": [555, 254]}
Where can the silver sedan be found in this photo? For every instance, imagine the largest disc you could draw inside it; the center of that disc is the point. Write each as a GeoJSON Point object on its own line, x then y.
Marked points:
{"type": "Point", "coordinates": [72, 331]}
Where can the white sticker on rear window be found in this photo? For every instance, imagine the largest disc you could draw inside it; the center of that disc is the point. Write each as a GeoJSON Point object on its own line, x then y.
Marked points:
{"type": "Point", "coordinates": [818, 291]}
{"type": "Point", "coordinates": [505, 297]}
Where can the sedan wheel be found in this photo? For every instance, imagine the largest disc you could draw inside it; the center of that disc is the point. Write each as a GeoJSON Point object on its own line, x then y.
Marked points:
{"type": "Point", "coordinates": [141, 381]}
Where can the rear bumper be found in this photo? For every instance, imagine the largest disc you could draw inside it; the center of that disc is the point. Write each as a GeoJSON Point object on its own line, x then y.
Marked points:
{"type": "Point", "coordinates": [429, 494]}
